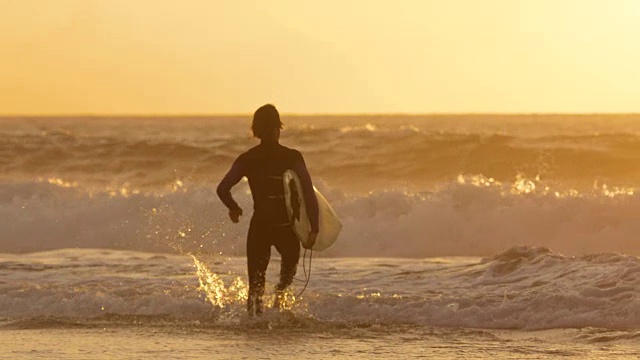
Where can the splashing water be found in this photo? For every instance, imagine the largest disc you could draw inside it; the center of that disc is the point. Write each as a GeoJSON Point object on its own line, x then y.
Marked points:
{"type": "Point", "coordinates": [214, 287]}
{"type": "Point", "coordinates": [220, 295]}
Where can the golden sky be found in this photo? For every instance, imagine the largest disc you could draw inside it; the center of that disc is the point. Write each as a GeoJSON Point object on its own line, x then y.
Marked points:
{"type": "Point", "coordinates": [330, 56]}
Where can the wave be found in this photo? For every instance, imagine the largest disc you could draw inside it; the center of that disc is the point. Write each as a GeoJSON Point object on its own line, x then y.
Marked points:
{"type": "Point", "coordinates": [521, 288]}
{"type": "Point", "coordinates": [360, 154]}
{"type": "Point", "coordinates": [472, 216]}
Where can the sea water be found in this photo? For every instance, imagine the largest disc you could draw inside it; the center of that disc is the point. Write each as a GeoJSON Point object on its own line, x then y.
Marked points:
{"type": "Point", "coordinates": [488, 236]}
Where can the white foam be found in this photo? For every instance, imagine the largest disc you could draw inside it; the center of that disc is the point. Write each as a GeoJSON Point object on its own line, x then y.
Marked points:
{"type": "Point", "coordinates": [464, 218]}
{"type": "Point", "coordinates": [484, 218]}
{"type": "Point", "coordinates": [524, 287]}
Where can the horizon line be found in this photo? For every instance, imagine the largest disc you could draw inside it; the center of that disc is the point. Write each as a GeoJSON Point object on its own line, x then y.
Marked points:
{"type": "Point", "coordinates": [302, 114]}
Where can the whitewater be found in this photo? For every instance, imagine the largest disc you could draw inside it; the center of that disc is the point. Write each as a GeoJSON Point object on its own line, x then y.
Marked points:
{"type": "Point", "coordinates": [505, 236]}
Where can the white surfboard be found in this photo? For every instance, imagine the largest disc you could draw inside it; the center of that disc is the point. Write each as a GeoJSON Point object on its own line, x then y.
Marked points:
{"type": "Point", "coordinates": [329, 224]}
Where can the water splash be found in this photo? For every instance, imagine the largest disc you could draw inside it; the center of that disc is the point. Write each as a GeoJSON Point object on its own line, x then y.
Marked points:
{"type": "Point", "coordinates": [214, 288]}
{"type": "Point", "coordinates": [287, 300]}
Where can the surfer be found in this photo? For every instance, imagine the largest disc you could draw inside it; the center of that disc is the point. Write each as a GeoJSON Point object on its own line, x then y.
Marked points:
{"type": "Point", "coordinates": [264, 165]}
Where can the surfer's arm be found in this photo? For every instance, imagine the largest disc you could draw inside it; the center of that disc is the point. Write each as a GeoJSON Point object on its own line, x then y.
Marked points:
{"type": "Point", "coordinates": [309, 194]}
{"type": "Point", "coordinates": [234, 176]}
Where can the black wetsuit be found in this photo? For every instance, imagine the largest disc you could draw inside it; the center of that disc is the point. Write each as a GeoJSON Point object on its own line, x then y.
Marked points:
{"type": "Point", "coordinates": [264, 166]}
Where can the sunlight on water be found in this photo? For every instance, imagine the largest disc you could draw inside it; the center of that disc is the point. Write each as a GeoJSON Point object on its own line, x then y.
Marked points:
{"type": "Point", "coordinates": [220, 295]}
{"type": "Point", "coordinates": [178, 185]}
{"type": "Point", "coordinates": [478, 180]}
{"type": "Point", "coordinates": [527, 186]}
{"type": "Point", "coordinates": [368, 127]}
{"type": "Point", "coordinates": [369, 293]}
{"type": "Point", "coordinates": [123, 191]}
{"type": "Point", "coordinates": [616, 191]}
{"type": "Point", "coordinates": [214, 288]}
{"type": "Point", "coordinates": [60, 182]}
{"type": "Point", "coordinates": [287, 300]}
{"type": "Point", "coordinates": [523, 185]}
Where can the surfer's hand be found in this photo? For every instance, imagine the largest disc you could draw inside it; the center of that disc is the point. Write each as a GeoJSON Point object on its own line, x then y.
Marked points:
{"type": "Point", "coordinates": [234, 215]}
{"type": "Point", "coordinates": [311, 240]}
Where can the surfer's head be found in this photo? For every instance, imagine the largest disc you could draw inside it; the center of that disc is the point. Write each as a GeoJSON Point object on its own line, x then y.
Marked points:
{"type": "Point", "coordinates": [266, 120]}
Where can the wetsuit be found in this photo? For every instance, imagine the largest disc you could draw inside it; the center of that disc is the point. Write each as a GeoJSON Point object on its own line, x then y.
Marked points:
{"type": "Point", "coordinates": [264, 166]}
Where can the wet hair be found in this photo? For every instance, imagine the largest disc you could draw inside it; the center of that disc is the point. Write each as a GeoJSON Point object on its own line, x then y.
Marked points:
{"type": "Point", "coordinates": [265, 120]}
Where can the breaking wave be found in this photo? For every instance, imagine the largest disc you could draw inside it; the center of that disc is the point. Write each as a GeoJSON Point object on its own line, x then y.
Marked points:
{"type": "Point", "coordinates": [470, 216]}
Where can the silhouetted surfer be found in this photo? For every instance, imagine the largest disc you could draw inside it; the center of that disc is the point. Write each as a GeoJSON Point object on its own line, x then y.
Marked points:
{"type": "Point", "coordinates": [263, 165]}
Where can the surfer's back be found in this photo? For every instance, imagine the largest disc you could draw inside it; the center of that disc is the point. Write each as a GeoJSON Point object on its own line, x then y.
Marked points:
{"type": "Point", "coordinates": [264, 165]}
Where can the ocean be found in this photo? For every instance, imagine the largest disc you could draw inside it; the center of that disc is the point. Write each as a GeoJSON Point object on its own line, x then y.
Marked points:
{"type": "Point", "coordinates": [478, 236]}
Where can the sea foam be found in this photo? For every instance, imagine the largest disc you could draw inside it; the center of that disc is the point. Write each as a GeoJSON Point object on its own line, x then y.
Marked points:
{"type": "Point", "coordinates": [523, 288]}
{"type": "Point", "coordinates": [470, 216]}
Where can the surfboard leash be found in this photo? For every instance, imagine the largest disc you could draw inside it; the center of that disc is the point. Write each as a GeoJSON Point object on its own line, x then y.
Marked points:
{"type": "Point", "coordinates": [304, 268]}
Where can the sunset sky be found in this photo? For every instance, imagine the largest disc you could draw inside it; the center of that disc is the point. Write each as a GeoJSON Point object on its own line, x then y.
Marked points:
{"type": "Point", "coordinates": [332, 56]}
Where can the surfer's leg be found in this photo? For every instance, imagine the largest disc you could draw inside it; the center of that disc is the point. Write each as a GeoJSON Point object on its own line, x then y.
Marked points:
{"type": "Point", "coordinates": [289, 248]}
{"type": "Point", "coordinates": [258, 255]}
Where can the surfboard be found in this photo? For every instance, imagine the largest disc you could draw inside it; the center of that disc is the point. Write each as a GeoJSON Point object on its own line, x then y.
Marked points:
{"type": "Point", "coordinates": [329, 224]}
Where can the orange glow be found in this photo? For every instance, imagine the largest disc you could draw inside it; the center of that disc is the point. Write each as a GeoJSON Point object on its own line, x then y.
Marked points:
{"type": "Point", "coordinates": [200, 56]}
